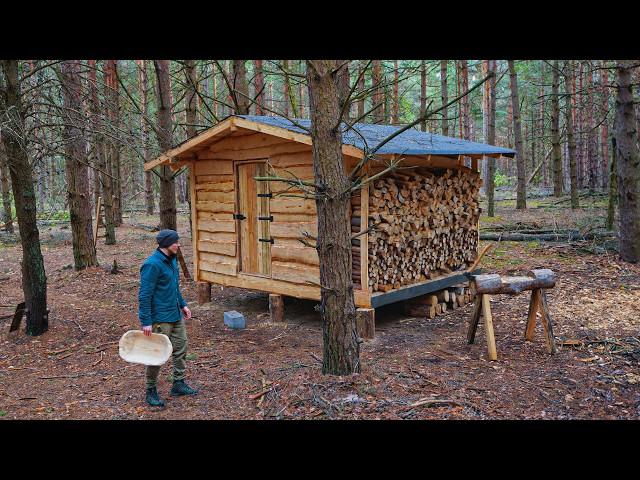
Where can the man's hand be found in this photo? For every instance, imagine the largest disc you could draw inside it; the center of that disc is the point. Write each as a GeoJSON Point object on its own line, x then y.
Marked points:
{"type": "Point", "coordinates": [187, 313]}
{"type": "Point", "coordinates": [147, 330]}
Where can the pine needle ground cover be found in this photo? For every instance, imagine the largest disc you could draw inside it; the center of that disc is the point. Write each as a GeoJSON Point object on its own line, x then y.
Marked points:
{"type": "Point", "coordinates": [415, 368]}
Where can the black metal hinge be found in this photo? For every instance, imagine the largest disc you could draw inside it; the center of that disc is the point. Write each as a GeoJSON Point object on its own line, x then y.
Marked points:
{"type": "Point", "coordinates": [268, 195]}
{"type": "Point", "coordinates": [268, 240]}
{"type": "Point", "coordinates": [238, 216]}
{"type": "Point", "coordinates": [270, 218]}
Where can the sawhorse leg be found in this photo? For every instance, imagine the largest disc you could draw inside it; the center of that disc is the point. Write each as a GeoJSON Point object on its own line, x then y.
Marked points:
{"type": "Point", "coordinates": [483, 306]}
{"type": "Point", "coordinates": [539, 302]}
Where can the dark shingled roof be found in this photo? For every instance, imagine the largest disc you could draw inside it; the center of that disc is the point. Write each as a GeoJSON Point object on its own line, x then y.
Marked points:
{"type": "Point", "coordinates": [410, 142]}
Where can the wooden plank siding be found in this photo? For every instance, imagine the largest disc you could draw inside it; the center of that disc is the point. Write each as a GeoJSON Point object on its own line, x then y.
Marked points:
{"type": "Point", "coordinates": [214, 201]}
{"type": "Point", "coordinates": [294, 267]}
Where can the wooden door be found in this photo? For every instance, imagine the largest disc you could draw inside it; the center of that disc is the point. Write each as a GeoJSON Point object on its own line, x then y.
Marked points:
{"type": "Point", "coordinates": [254, 239]}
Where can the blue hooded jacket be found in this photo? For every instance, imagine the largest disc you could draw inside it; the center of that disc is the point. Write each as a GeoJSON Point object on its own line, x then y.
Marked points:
{"type": "Point", "coordinates": [159, 298]}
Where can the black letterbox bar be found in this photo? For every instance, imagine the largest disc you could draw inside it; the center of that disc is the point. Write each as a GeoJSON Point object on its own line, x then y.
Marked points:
{"type": "Point", "coordinates": [269, 240]}
{"type": "Point", "coordinates": [268, 195]}
{"type": "Point", "coordinates": [270, 218]}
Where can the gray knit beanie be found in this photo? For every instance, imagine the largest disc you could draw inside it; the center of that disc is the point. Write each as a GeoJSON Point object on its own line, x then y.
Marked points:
{"type": "Point", "coordinates": [166, 238]}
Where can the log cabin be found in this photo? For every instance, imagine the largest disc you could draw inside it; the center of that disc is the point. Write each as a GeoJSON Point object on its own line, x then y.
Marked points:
{"type": "Point", "coordinates": [421, 219]}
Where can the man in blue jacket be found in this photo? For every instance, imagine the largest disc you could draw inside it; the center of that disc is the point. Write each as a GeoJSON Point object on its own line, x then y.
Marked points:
{"type": "Point", "coordinates": [161, 308]}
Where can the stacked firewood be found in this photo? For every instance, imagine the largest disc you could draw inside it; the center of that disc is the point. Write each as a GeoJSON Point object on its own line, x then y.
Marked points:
{"type": "Point", "coordinates": [440, 302]}
{"type": "Point", "coordinates": [425, 225]}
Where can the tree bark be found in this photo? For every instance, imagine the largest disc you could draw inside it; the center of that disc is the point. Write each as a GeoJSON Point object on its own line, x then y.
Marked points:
{"type": "Point", "coordinates": [241, 87]}
{"type": "Point", "coordinates": [7, 218]}
{"type": "Point", "coordinates": [165, 140]}
{"type": "Point", "coordinates": [613, 187]}
{"type": "Point", "coordinates": [444, 96]}
{"type": "Point", "coordinates": [343, 89]}
{"type": "Point", "coordinates": [191, 119]}
{"type": "Point", "coordinates": [395, 116]}
{"type": "Point", "coordinates": [34, 279]}
{"type": "Point", "coordinates": [555, 131]}
{"type": "Point", "coordinates": [341, 353]}
{"type": "Point", "coordinates": [113, 100]}
{"type": "Point", "coordinates": [423, 95]}
{"type": "Point", "coordinates": [289, 94]}
{"type": "Point", "coordinates": [144, 128]}
{"type": "Point", "coordinates": [103, 152]}
{"type": "Point", "coordinates": [378, 95]}
{"type": "Point", "coordinates": [521, 193]}
{"type": "Point", "coordinates": [465, 104]}
{"type": "Point", "coordinates": [604, 128]}
{"type": "Point", "coordinates": [592, 147]}
{"type": "Point", "coordinates": [361, 88]}
{"type": "Point", "coordinates": [628, 168]}
{"type": "Point", "coordinates": [259, 86]}
{"type": "Point", "coordinates": [490, 135]}
{"type": "Point", "coordinates": [571, 142]}
{"type": "Point", "coordinates": [76, 161]}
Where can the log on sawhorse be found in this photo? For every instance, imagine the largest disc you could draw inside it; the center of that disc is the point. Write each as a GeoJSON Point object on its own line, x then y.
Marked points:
{"type": "Point", "coordinates": [537, 282]}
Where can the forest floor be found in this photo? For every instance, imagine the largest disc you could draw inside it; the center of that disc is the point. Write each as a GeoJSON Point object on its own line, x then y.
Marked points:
{"type": "Point", "coordinates": [415, 368]}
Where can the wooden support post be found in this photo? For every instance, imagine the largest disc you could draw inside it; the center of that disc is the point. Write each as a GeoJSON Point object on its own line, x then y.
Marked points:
{"type": "Point", "coordinates": [475, 318]}
{"type": "Point", "coordinates": [17, 317]}
{"type": "Point", "coordinates": [488, 326]}
{"type": "Point", "coordinates": [183, 264]}
{"type": "Point", "coordinates": [534, 305]}
{"type": "Point", "coordinates": [546, 323]}
{"type": "Point", "coordinates": [276, 307]}
{"type": "Point", "coordinates": [204, 292]}
{"type": "Point", "coordinates": [97, 224]}
{"type": "Point", "coordinates": [366, 322]}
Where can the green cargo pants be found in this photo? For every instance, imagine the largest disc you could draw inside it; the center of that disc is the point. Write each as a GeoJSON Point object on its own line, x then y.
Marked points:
{"type": "Point", "coordinates": [177, 333]}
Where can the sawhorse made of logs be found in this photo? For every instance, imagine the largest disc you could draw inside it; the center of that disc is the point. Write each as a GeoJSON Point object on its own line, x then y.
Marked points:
{"type": "Point", "coordinates": [537, 282]}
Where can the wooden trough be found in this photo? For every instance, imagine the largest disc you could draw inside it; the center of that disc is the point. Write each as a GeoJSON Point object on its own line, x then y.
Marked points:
{"type": "Point", "coordinates": [246, 235]}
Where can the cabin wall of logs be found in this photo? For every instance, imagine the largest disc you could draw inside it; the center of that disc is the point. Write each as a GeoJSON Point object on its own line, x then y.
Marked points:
{"type": "Point", "coordinates": [424, 221]}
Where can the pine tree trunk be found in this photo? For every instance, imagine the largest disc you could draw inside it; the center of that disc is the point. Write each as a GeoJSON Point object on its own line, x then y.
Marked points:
{"type": "Point", "coordinates": [491, 134]}
{"type": "Point", "coordinates": [341, 353]}
{"type": "Point", "coordinates": [34, 279]}
{"type": "Point", "coordinates": [104, 152]}
{"type": "Point", "coordinates": [361, 88]}
{"type": "Point", "coordinates": [191, 119]}
{"type": "Point", "coordinates": [7, 219]}
{"type": "Point", "coordinates": [578, 127]}
{"type": "Point", "coordinates": [378, 95]}
{"type": "Point", "coordinates": [116, 171]}
{"type": "Point", "coordinates": [423, 95]}
{"type": "Point", "coordinates": [343, 88]}
{"type": "Point", "coordinates": [604, 128]}
{"type": "Point", "coordinates": [521, 193]}
{"type": "Point", "coordinates": [628, 168]}
{"type": "Point", "coordinates": [144, 128]}
{"type": "Point", "coordinates": [167, 181]}
{"type": "Point", "coordinates": [592, 147]}
{"type": "Point", "coordinates": [259, 86]}
{"type": "Point", "coordinates": [76, 161]}
{"type": "Point", "coordinates": [465, 103]}
{"type": "Point", "coordinates": [613, 187]}
{"type": "Point", "coordinates": [239, 83]}
{"type": "Point", "coordinates": [395, 116]}
{"type": "Point", "coordinates": [555, 131]}
{"type": "Point", "coordinates": [444, 94]}
{"type": "Point", "coordinates": [571, 142]}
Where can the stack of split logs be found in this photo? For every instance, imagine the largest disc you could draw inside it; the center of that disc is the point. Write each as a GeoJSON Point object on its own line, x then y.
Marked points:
{"type": "Point", "coordinates": [439, 302]}
{"type": "Point", "coordinates": [425, 225]}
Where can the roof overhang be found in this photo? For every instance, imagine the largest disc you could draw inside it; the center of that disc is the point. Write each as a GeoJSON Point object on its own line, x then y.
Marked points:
{"type": "Point", "coordinates": [185, 153]}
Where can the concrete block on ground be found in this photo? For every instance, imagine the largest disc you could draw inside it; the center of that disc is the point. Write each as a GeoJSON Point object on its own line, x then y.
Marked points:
{"type": "Point", "coordinates": [234, 320]}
